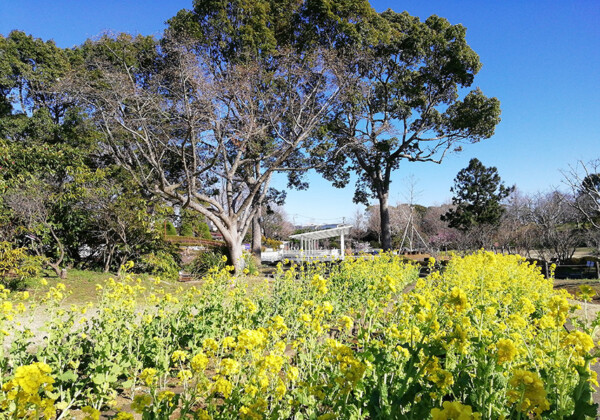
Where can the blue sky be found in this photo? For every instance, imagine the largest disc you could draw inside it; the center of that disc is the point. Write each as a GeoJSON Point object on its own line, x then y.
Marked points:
{"type": "Point", "coordinates": [540, 58]}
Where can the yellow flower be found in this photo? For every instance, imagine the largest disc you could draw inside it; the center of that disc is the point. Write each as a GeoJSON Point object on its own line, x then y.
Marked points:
{"type": "Point", "coordinates": [202, 414]}
{"type": "Point", "coordinates": [319, 283]}
{"type": "Point", "coordinates": [229, 367]}
{"type": "Point", "coordinates": [179, 356]}
{"type": "Point", "coordinates": [184, 375]}
{"type": "Point", "coordinates": [454, 410]}
{"type": "Point", "coordinates": [346, 323]}
{"type": "Point", "coordinates": [254, 411]}
{"type": "Point", "coordinates": [165, 395]}
{"type": "Point", "coordinates": [458, 299]}
{"type": "Point", "coordinates": [92, 413]}
{"type": "Point", "coordinates": [527, 392]}
{"type": "Point", "coordinates": [442, 378]}
{"type": "Point", "coordinates": [140, 402]}
{"type": "Point", "coordinates": [250, 339]}
{"type": "Point", "coordinates": [148, 376]}
{"type": "Point", "coordinates": [210, 345]}
{"type": "Point", "coordinates": [293, 373]}
{"type": "Point", "coordinates": [31, 377]}
{"type": "Point", "coordinates": [223, 386]}
{"type": "Point", "coordinates": [507, 351]}
{"type": "Point", "coordinates": [581, 342]}
{"type": "Point", "coordinates": [199, 362]}
{"type": "Point", "coordinates": [586, 292]}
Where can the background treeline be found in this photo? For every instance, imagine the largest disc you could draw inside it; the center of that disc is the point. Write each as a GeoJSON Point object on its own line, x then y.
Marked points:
{"type": "Point", "coordinates": [101, 142]}
{"type": "Point", "coordinates": [62, 195]}
{"type": "Point", "coordinates": [484, 213]}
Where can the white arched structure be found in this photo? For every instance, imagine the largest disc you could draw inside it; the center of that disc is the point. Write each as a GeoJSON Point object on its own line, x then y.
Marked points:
{"type": "Point", "coordinates": [309, 246]}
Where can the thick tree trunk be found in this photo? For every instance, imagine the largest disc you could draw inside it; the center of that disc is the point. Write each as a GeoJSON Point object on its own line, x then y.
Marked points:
{"type": "Point", "coordinates": [256, 236]}
{"type": "Point", "coordinates": [384, 214]}
{"type": "Point", "coordinates": [236, 255]}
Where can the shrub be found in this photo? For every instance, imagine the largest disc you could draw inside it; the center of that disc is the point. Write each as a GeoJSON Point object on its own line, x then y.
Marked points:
{"type": "Point", "coordinates": [206, 260]}
{"type": "Point", "coordinates": [186, 230]}
{"type": "Point", "coordinates": [203, 231]}
{"type": "Point", "coordinates": [16, 266]}
{"type": "Point", "coordinates": [271, 243]}
{"type": "Point", "coordinates": [170, 229]}
{"type": "Point", "coordinates": [160, 264]}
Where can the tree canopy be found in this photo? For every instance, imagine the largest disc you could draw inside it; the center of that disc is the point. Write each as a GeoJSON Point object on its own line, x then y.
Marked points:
{"type": "Point", "coordinates": [478, 194]}
{"type": "Point", "coordinates": [203, 137]}
{"type": "Point", "coordinates": [404, 105]}
{"type": "Point", "coordinates": [52, 165]}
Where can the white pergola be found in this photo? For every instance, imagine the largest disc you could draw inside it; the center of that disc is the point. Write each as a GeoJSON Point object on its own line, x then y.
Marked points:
{"type": "Point", "coordinates": [309, 241]}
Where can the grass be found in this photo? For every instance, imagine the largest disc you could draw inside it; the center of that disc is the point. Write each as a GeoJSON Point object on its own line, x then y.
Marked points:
{"type": "Point", "coordinates": [82, 284]}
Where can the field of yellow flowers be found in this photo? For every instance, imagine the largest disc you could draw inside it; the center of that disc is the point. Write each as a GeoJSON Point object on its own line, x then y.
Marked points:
{"type": "Point", "coordinates": [485, 339]}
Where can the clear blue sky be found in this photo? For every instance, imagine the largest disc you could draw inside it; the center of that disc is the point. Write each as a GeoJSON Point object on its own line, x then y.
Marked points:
{"type": "Point", "coordinates": [540, 58]}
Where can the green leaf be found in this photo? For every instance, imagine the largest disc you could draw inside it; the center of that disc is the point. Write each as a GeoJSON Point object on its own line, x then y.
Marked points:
{"type": "Point", "coordinates": [68, 376]}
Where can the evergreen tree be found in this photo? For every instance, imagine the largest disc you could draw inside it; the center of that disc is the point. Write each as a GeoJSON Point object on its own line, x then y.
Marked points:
{"type": "Point", "coordinates": [478, 193]}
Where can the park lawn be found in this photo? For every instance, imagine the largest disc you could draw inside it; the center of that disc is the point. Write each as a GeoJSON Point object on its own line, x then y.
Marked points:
{"type": "Point", "coordinates": [82, 284]}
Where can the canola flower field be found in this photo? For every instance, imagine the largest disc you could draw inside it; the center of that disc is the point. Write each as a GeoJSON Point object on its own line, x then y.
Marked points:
{"type": "Point", "coordinates": [485, 339]}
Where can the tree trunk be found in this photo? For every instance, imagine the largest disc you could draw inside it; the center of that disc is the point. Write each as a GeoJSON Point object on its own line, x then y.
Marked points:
{"type": "Point", "coordinates": [236, 255]}
{"type": "Point", "coordinates": [61, 273]}
{"type": "Point", "coordinates": [108, 259]}
{"type": "Point", "coordinates": [256, 236]}
{"type": "Point", "coordinates": [384, 215]}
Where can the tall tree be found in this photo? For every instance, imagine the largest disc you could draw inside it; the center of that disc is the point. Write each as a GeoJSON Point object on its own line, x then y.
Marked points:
{"type": "Point", "coordinates": [241, 31]}
{"type": "Point", "coordinates": [202, 137]}
{"type": "Point", "coordinates": [478, 194]}
{"type": "Point", "coordinates": [405, 105]}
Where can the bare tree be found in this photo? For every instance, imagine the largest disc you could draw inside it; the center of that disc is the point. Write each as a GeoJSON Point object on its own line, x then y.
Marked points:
{"type": "Point", "coordinates": [205, 138]}
{"type": "Point", "coordinates": [439, 235]}
{"type": "Point", "coordinates": [275, 222]}
{"type": "Point", "coordinates": [584, 181]}
{"type": "Point", "coordinates": [516, 232]}
{"type": "Point", "coordinates": [555, 220]}
{"type": "Point", "coordinates": [30, 204]}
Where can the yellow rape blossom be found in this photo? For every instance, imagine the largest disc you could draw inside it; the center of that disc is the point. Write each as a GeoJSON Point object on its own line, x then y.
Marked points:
{"type": "Point", "coordinates": [31, 377]}
{"type": "Point", "coordinates": [527, 392]}
{"type": "Point", "coordinates": [454, 410]}
{"type": "Point", "coordinates": [507, 351]}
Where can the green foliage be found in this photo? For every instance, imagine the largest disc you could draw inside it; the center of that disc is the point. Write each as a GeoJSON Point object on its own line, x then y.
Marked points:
{"type": "Point", "coordinates": [203, 231]}
{"type": "Point", "coordinates": [206, 260]}
{"type": "Point", "coordinates": [160, 263]}
{"type": "Point", "coordinates": [170, 229]}
{"type": "Point", "coordinates": [478, 193]}
{"type": "Point", "coordinates": [16, 266]}
{"type": "Point", "coordinates": [242, 30]}
{"type": "Point", "coordinates": [187, 230]}
{"type": "Point", "coordinates": [193, 224]}
{"type": "Point", "coordinates": [408, 82]}
{"type": "Point", "coordinates": [250, 264]}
